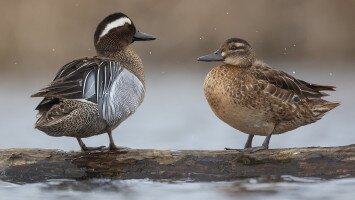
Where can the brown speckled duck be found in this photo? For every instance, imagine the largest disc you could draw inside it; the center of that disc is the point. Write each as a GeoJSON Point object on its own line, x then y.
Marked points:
{"type": "Point", "coordinates": [252, 97]}
{"type": "Point", "coordinates": [91, 96]}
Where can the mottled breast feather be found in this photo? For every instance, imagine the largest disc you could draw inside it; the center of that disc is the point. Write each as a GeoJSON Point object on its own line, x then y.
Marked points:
{"type": "Point", "coordinates": [116, 90]}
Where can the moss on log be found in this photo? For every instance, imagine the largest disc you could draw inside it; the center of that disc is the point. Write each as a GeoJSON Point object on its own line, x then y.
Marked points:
{"type": "Point", "coordinates": [33, 165]}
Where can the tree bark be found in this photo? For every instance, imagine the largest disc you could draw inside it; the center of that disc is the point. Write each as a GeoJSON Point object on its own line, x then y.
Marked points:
{"type": "Point", "coordinates": [33, 165]}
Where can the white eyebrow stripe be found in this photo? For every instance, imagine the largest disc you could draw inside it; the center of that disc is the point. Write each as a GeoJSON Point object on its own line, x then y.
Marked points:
{"type": "Point", "coordinates": [119, 22]}
{"type": "Point", "coordinates": [238, 44]}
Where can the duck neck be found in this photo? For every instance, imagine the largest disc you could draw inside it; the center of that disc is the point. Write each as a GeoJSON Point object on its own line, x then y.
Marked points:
{"type": "Point", "coordinates": [128, 58]}
{"type": "Point", "coordinates": [240, 62]}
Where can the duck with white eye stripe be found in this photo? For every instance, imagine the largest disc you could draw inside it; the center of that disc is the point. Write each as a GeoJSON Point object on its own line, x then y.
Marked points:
{"type": "Point", "coordinates": [252, 97]}
{"type": "Point", "coordinates": [92, 96]}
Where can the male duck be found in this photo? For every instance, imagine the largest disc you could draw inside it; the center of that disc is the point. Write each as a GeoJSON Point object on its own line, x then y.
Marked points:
{"type": "Point", "coordinates": [91, 96]}
{"type": "Point", "coordinates": [252, 97]}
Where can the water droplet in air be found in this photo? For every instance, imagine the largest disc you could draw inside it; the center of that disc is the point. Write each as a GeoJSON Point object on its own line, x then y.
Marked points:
{"type": "Point", "coordinates": [227, 13]}
{"type": "Point", "coordinates": [53, 49]}
{"type": "Point", "coordinates": [293, 72]}
{"type": "Point", "coordinates": [150, 52]}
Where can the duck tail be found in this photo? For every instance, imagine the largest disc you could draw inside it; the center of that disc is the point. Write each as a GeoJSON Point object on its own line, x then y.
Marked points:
{"type": "Point", "coordinates": [321, 106]}
{"type": "Point", "coordinates": [322, 87]}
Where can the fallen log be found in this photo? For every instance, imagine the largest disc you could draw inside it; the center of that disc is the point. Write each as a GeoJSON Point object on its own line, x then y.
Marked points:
{"type": "Point", "coordinates": [33, 165]}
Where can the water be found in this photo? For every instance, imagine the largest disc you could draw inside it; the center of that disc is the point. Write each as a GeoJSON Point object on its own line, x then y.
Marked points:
{"type": "Point", "coordinates": [175, 115]}
{"type": "Point", "coordinates": [274, 188]}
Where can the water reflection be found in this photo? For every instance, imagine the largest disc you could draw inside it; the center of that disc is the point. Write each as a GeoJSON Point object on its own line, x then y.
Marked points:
{"type": "Point", "coordinates": [289, 187]}
{"type": "Point", "coordinates": [266, 187]}
{"type": "Point", "coordinates": [99, 185]}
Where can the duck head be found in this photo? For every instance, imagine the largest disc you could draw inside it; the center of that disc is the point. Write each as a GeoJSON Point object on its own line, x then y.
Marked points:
{"type": "Point", "coordinates": [234, 51]}
{"type": "Point", "coordinates": [116, 32]}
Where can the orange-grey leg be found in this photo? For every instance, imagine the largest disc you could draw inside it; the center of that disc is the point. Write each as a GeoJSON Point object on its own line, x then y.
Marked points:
{"type": "Point", "coordinates": [85, 148]}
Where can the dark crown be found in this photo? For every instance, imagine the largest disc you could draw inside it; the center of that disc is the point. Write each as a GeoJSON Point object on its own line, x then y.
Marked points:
{"type": "Point", "coordinates": [237, 40]}
{"type": "Point", "coordinates": [110, 36]}
{"type": "Point", "coordinates": [111, 18]}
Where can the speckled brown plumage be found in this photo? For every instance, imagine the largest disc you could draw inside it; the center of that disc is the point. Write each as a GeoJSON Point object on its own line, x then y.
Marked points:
{"type": "Point", "coordinates": [75, 118]}
{"type": "Point", "coordinates": [258, 100]}
{"type": "Point", "coordinates": [72, 118]}
{"type": "Point", "coordinates": [91, 96]}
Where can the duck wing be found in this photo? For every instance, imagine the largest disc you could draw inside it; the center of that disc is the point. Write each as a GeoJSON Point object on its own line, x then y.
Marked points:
{"type": "Point", "coordinates": [285, 86]}
{"type": "Point", "coordinates": [100, 81]}
{"type": "Point", "coordinates": [85, 79]}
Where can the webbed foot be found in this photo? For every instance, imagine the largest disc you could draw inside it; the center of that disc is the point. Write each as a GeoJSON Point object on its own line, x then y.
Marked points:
{"type": "Point", "coordinates": [254, 149]}
{"type": "Point", "coordinates": [113, 147]}
{"type": "Point", "coordinates": [231, 149]}
{"type": "Point", "coordinates": [85, 148]}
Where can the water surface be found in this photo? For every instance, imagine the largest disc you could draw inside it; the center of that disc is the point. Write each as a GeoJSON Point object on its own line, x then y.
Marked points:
{"type": "Point", "coordinates": [273, 188]}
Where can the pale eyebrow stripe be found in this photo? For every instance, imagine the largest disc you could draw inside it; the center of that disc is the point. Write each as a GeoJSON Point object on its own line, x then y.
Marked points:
{"type": "Point", "coordinates": [119, 22]}
{"type": "Point", "coordinates": [238, 44]}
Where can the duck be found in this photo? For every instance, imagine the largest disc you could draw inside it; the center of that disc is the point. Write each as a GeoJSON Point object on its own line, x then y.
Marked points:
{"type": "Point", "coordinates": [93, 95]}
{"type": "Point", "coordinates": [256, 99]}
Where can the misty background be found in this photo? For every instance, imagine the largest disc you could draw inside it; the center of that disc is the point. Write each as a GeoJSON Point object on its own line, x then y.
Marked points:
{"type": "Point", "coordinates": [311, 40]}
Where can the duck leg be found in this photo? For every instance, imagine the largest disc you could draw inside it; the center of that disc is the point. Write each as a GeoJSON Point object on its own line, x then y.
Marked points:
{"type": "Point", "coordinates": [112, 145]}
{"type": "Point", "coordinates": [85, 148]}
{"type": "Point", "coordinates": [264, 146]}
{"type": "Point", "coordinates": [247, 144]}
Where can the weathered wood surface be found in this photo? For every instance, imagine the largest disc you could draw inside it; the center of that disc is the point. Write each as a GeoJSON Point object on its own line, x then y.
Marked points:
{"type": "Point", "coordinates": [32, 165]}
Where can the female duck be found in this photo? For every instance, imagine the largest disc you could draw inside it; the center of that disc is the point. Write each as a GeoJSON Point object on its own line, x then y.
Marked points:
{"type": "Point", "coordinates": [91, 96]}
{"type": "Point", "coordinates": [252, 97]}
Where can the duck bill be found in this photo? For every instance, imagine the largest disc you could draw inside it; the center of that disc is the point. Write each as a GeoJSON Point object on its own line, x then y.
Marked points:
{"type": "Point", "coordinates": [216, 56]}
{"type": "Point", "coordinates": [140, 36]}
